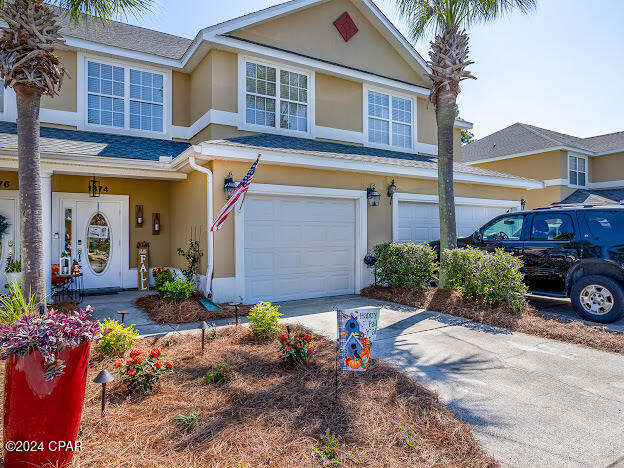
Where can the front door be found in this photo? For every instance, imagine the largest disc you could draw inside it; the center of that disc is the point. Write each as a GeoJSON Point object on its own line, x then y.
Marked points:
{"type": "Point", "coordinates": [9, 243]}
{"type": "Point", "coordinates": [95, 237]}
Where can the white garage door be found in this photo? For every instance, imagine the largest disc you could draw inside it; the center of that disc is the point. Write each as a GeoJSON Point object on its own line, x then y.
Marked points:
{"type": "Point", "coordinates": [297, 248]}
{"type": "Point", "coordinates": [419, 222]}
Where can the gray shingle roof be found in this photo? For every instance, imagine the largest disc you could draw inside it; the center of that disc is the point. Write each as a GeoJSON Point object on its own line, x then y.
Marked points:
{"type": "Point", "coordinates": [524, 138]}
{"type": "Point", "coordinates": [55, 140]}
{"type": "Point", "coordinates": [126, 36]}
{"type": "Point", "coordinates": [594, 197]}
{"type": "Point", "coordinates": [304, 146]}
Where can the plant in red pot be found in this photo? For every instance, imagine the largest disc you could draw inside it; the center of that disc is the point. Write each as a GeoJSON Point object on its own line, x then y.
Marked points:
{"type": "Point", "coordinates": [46, 375]}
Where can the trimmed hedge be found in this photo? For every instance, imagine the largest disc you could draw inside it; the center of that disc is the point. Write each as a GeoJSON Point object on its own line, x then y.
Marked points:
{"type": "Point", "coordinates": [405, 264]}
{"type": "Point", "coordinates": [492, 276]}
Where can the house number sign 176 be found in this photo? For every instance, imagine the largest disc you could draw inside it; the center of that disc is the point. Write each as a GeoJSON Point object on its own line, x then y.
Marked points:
{"type": "Point", "coordinates": [5, 184]}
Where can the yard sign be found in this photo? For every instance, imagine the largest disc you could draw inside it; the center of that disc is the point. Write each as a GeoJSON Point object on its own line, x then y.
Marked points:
{"type": "Point", "coordinates": [357, 329]}
{"type": "Point", "coordinates": [143, 267]}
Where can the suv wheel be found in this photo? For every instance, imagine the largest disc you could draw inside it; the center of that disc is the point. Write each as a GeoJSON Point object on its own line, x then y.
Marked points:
{"type": "Point", "coordinates": [598, 298]}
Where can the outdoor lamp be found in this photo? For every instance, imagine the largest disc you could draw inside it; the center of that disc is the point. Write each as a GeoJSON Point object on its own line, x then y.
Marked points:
{"type": "Point", "coordinates": [522, 203]}
{"type": "Point", "coordinates": [229, 186]}
{"type": "Point", "coordinates": [103, 378]}
{"type": "Point", "coordinates": [372, 195]}
{"type": "Point", "coordinates": [203, 327]}
{"type": "Point", "coordinates": [391, 190]}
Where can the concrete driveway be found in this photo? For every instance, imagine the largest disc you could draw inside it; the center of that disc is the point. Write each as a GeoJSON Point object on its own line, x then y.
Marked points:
{"type": "Point", "coordinates": [532, 402]}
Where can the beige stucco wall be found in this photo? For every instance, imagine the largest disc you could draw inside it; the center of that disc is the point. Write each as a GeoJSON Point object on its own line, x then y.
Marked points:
{"type": "Point", "coordinates": [218, 132]}
{"type": "Point", "coordinates": [338, 103]}
{"type": "Point", "coordinates": [67, 98]}
{"type": "Point", "coordinates": [379, 217]}
{"type": "Point", "coordinates": [181, 99]}
{"type": "Point", "coordinates": [606, 168]}
{"type": "Point", "coordinates": [540, 166]}
{"type": "Point", "coordinates": [152, 194]}
{"type": "Point", "coordinates": [311, 32]}
{"type": "Point", "coordinates": [11, 177]}
{"type": "Point", "coordinates": [427, 128]}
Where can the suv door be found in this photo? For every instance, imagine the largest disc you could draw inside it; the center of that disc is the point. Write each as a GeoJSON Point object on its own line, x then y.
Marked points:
{"type": "Point", "coordinates": [552, 247]}
{"type": "Point", "coordinates": [504, 231]}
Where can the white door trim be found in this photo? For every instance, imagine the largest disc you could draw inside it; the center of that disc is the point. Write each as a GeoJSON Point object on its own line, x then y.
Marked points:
{"type": "Point", "coordinates": [126, 273]}
{"type": "Point", "coordinates": [422, 198]}
{"type": "Point", "coordinates": [359, 196]}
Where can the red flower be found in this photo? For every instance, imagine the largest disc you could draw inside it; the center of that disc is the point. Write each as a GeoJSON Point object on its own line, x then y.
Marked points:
{"type": "Point", "coordinates": [311, 350]}
{"type": "Point", "coordinates": [135, 352]}
{"type": "Point", "coordinates": [168, 364]}
{"type": "Point", "coordinates": [307, 338]}
{"type": "Point", "coordinates": [128, 362]}
{"type": "Point", "coordinates": [131, 371]}
{"type": "Point", "coordinates": [139, 359]}
{"type": "Point", "coordinates": [158, 364]}
{"type": "Point", "coordinates": [284, 337]}
{"type": "Point", "coordinates": [296, 344]}
{"type": "Point", "coordinates": [155, 352]}
{"type": "Point", "coordinates": [119, 362]}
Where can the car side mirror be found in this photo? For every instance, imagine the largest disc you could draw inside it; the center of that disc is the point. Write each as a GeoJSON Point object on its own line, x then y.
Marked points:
{"type": "Point", "coordinates": [476, 236]}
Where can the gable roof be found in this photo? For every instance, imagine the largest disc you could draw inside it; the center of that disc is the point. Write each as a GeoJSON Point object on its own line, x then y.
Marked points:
{"type": "Point", "coordinates": [594, 197]}
{"type": "Point", "coordinates": [522, 139]}
{"type": "Point", "coordinates": [74, 142]}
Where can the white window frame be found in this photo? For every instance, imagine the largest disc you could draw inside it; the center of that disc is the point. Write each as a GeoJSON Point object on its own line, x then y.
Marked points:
{"type": "Point", "coordinates": [83, 91]}
{"type": "Point", "coordinates": [578, 156]}
{"type": "Point", "coordinates": [8, 113]}
{"type": "Point", "coordinates": [242, 98]}
{"type": "Point", "coordinates": [414, 124]}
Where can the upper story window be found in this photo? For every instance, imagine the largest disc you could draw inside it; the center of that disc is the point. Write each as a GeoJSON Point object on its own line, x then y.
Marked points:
{"type": "Point", "coordinates": [389, 120]}
{"type": "Point", "coordinates": [124, 97]}
{"type": "Point", "coordinates": [276, 97]}
{"type": "Point", "coordinates": [577, 169]}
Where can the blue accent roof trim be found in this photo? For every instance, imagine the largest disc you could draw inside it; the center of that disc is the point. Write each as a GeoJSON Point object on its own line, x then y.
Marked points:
{"type": "Point", "coordinates": [266, 140]}
{"type": "Point", "coordinates": [56, 140]}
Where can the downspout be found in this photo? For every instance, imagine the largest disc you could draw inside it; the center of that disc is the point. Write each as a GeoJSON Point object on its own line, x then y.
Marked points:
{"type": "Point", "coordinates": [209, 216]}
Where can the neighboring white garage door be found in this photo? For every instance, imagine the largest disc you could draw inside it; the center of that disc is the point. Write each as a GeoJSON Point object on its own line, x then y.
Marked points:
{"type": "Point", "coordinates": [419, 222]}
{"type": "Point", "coordinates": [298, 247]}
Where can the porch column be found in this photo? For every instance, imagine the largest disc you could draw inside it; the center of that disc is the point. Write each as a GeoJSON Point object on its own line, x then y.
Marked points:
{"type": "Point", "coordinates": [46, 218]}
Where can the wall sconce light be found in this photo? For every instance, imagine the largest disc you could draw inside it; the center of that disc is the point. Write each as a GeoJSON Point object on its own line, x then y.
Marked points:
{"type": "Point", "coordinates": [229, 186]}
{"type": "Point", "coordinates": [372, 195]}
{"type": "Point", "coordinates": [391, 190]}
{"type": "Point", "coordinates": [156, 224]}
{"type": "Point", "coordinates": [522, 204]}
{"type": "Point", "coordinates": [139, 215]}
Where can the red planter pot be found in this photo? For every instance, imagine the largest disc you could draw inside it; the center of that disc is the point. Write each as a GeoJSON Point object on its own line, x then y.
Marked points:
{"type": "Point", "coordinates": [41, 418]}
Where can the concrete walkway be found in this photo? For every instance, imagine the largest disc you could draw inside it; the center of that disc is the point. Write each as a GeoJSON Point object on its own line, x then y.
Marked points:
{"type": "Point", "coordinates": [532, 402]}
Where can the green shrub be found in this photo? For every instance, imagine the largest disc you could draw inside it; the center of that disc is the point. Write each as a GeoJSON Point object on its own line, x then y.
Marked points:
{"type": "Point", "coordinates": [264, 319]}
{"type": "Point", "coordinates": [161, 279]}
{"type": "Point", "coordinates": [186, 422]}
{"type": "Point", "coordinates": [13, 266]}
{"type": "Point", "coordinates": [177, 290]}
{"type": "Point", "coordinates": [118, 340]}
{"type": "Point", "coordinates": [13, 305]}
{"type": "Point", "coordinates": [219, 373]}
{"type": "Point", "coordinates": [493, 276]}
{"type": "Point", "coordinates": [405, 264]}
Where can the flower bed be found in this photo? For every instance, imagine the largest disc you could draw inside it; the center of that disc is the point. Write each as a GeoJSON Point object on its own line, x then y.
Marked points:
{"type": "Point", "coordinates": [269, 412]}
{"type": "Point", "coordinates": [190, 310]}
{"type": "Point", "coordinates": [528, 320]}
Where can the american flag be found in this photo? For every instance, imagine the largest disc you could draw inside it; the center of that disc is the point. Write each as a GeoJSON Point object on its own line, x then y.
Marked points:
{"type": "Point", "coordinates": [241, 188]}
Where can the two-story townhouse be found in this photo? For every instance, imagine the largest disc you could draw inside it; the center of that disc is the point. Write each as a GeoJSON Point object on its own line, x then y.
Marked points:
{"type": "Point", "coordinates": [572, 169]}
{"type": "Point", "coordinates": [328, 91]}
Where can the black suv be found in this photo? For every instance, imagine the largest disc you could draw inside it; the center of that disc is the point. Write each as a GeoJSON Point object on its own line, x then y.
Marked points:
{"type": "Point", "coordinates": [568, 251]}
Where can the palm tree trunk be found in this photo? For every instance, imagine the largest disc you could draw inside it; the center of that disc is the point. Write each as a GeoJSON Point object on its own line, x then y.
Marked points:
{"type": "Point", "coordinates": [31, 228]}
{"type": "Point", "coordinates": [445, 117]}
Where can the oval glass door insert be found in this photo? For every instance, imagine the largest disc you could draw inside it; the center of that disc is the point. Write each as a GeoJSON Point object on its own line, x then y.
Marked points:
{"type": "Point", "coordinates": [98, 243]}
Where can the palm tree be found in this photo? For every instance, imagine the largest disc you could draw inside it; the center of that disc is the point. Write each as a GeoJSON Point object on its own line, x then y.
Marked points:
{"type": "Point", "coordinates": [29, 66]}
{"type": "Point", "coordinates": [448, 20]}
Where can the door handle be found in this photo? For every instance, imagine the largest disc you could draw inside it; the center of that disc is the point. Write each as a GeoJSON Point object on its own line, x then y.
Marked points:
{"type": "Point", "coordinates": [79, 253]}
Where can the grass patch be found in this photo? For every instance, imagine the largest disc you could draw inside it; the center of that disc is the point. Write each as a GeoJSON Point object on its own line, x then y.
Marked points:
{"type": "Point", "coordinates": [269, 413]}
{"type": "Point", "coordinates": [529, 320]}
{"type": "Point", "coordinates": [190, 310]}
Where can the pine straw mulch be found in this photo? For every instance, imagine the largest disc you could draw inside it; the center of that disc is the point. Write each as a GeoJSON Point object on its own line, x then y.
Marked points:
{"type": "Point", "coordinates": [188, 311]}
{"type": "Point", "coordinates": [529, 321]}
{"type": "Point", "coordinates": [66, 306]}
{"type": "Point", "coordinates": [269, 413]}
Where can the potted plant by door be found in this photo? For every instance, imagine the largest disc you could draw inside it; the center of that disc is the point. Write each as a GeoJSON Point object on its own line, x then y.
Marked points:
{"type": "Point", "coordinates": [46, 375]}
{"type": "Point", "coordinates": [13, 270]}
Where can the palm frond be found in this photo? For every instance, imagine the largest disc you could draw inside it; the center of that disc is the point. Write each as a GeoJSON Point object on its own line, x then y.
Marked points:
{"type": "Point", "coordinates": [103, 10]}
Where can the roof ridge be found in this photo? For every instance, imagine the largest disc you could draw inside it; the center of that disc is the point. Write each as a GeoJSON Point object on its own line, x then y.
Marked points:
{"type": "Point", "coordinates": [602, 135]}
{"type": "Point", "coordinates": [534, 129]}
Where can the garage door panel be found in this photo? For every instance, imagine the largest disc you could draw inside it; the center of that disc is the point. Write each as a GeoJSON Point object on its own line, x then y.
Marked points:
{"type": "Point", "coordinates": [305, 249]}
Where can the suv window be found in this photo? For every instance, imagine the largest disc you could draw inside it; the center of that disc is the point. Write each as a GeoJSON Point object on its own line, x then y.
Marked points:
{"type": "Point", "coordinates": [551, 226]}
{"type": "Point", "coordinates": [505, 228]}
{"type": "Point", "coordinates": [605, 225]}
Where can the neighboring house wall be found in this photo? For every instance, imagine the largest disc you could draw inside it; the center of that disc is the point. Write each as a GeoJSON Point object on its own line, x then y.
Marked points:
{"type": "Point", "coordinates": [540, 166]}
{"type": "Point", "coordinates": [66, 100]}
{"type": "Point", "coordinates": [311, 32]}
{"type": "Point", "coordinates": [607, 168]}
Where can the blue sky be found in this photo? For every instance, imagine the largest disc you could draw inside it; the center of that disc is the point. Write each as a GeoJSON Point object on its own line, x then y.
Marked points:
{"type": "Point", "coordinates": [561, 67]}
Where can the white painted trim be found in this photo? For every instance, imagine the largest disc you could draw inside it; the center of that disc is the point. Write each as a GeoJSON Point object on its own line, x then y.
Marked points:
{"type": "Point", "coordinates": [608, 184]}
{"type": "Point", "coordinates": [525, 153]}
{"type": "Point", "coordinates": [382, 167]}
{"type": "Point", "coordinates": [242, 98]}
{"type": "Point", "coordinates": [57, 197]}
{"type": "Point", "coordinates": [551, 182]}
{"type": "Point", "coordinates": [463, 124]}
{"type": "Point", "coordinates": [578, 156]}
{"type": "Point", "coordinates": [422, 198]}
{"type": "Point", "coordinates": [359, 196]}
{"type": "Point", "coordinates": [82, 90]}
{"type": "Point", "coordinates": [59, 117]}
{"type": "Point", "coordinates": [9, 112]}
{"type": "Point", "coordinates": [337, 134]}
{"type": "Point", "coordinates": [213, 116]}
